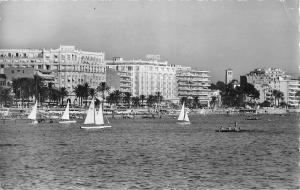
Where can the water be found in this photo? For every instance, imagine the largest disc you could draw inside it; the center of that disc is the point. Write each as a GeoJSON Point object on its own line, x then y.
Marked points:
{"type": "Point", "coordinates": [152, 154]}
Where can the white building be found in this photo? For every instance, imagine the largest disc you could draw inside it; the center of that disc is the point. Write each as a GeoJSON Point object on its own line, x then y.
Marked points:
{"type": "Point", "coordinates": [228, 76]}
{"type": "Point", "coordinates": [267, 80]}
{"type": "Point", "coordinates": [193, 83]}
{"type": "Point", "coordinates": [289, 88]}
{"type": "Point", "coordinates": [145, 77]}
{"type": "Point", "coordinates": [69, 65]}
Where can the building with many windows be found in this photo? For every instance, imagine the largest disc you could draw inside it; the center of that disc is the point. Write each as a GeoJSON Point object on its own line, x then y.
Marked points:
{"type": "Point", "coordinates": [267, 80]}
{"type": "Point", "coordinates": [290, 87]}
{"type": "Point", "coordinates": [69, 66]}
{"type": "Point", "coordinates": [193, 83]}
{"type": "Point", "coordinates": [145, 77]}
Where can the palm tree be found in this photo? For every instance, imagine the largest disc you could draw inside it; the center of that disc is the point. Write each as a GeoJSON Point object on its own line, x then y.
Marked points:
{"type": "Point", "coordinates": [92, 92]}
{"type": "Point", "coordinates": [142, 98]}
{"type": "Point", "coordinates": [110, 99]}
{"type": "Point", "coordinates": [196, 102]}
{"type": "Point", "coordinates": [158, 97]}
{"type": "Point", "coordinates": [135, 101]}
{"type": "Point", "coordinates": [16, 86]}
{"type": "Point", "coordinates": [38, 85]}
{"type": "Point", "coordinates": [55, 95]}
{"type": "Point", "coordinates": [86, 89]}
{"type": "Point", "coordinates": [63, 93]}
{"type": "Point", "coordinates": [150, 100]}
{"type": "Point", "coordinates": [278, 95]}
{"type": "Point", "coordinates": [79, 92]}
{"type": "Point", "coordinates": [116, 96]}
{"type": "Point", "coordinates": [5, 95]}
{"type": "Point", "coordinates": [126, 98]}
{"type": "Point", "coordinates": [50, 90]}
{"type": "Point", "coordinates": [103, 87]}
{"type": "Point", "coordinates": [183, 100]}
{"type": "Point", "coordinates": [44, 94]}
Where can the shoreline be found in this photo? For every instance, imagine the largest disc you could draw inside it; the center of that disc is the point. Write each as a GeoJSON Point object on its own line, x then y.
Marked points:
{"type": "Point", "coordinates": [17, 114]}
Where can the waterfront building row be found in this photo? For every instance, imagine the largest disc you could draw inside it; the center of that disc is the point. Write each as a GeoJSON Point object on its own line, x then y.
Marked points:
{"type": "Point", "coordinates": [67, 65]}
{"type": "Point", "coordinates": [268, 80]}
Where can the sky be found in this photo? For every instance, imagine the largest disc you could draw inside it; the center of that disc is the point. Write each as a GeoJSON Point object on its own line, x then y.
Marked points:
{"type": "Point", "coordinates": [208, 35]}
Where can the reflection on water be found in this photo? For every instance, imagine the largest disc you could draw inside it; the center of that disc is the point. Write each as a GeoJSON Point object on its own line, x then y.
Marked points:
{"type": "Point", "coordinates": [152, 154]}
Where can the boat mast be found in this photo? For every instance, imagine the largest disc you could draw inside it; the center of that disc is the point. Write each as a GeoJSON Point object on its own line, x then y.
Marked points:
{"type": "Point", "coordinates": [94, 111]}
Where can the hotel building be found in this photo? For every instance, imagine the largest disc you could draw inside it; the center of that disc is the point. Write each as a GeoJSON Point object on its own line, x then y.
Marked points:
{"type": "Point", "coordinates": [193, 83]}
{"type": "Point", "coordinates": [66, 65]}
{"type": "Point", "coordinates": [145, 77]}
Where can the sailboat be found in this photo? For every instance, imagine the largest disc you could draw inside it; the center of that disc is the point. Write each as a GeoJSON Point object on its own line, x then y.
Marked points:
{"type": "Point", "coordinates": [183, 117]}
{"type": "Point", "coordinates": [33, 114]}
{"type": "Point", "coordinates": [66, 116]}
{"type": "Point", "coordinates": [202, 111]}
{"type": "Point", "coordinates": [94, 119]}
{"type": "Point", "coordinates": [6, 113]}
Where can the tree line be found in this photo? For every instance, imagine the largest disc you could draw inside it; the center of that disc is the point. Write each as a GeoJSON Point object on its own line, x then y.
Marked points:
{"type": "Point", "coordinates": [233, 95]}
{"type": "Point", "coordinates": [25, 90]}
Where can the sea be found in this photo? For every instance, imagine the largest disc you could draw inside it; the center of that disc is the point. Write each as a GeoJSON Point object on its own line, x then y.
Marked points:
{"type": "Point", "coordinates": [155, 154]}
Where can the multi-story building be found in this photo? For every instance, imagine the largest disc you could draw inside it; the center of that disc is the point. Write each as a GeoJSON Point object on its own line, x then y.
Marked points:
{"type": "Point", "coordinates": [290, 87]}
{"type": "Point", "coordinates": [112, 79]}
{"type": "Point", "coordinates": [145, 77]}
{"type": "Point", "coordinates": [69, 65]}
{"type": "Point", "coordinates": [267, 80]}
{"type": "Point", "coordinates": [228, 76]}
{"type": "Point", "coordinates": [193, 83]}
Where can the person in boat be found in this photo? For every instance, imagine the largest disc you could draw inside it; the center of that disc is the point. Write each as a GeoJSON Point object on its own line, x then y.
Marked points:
{"type": "Point", "coordinates": [237, 128]}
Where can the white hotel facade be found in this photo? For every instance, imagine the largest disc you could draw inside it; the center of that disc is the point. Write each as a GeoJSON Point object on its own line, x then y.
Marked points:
{"type": "Point", "coordinates": [68, 65]}
{"type": "Point", "coordinates": [146, 77]}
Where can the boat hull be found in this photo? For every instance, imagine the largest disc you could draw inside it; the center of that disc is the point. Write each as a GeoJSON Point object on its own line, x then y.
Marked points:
{"type": "Point", "coordinates": [231, 131]}
{"type": "Point", "coordinates": [66, 122]}
{"type": "Point", "coordinates": [95, 127]}
{"type": "Point", "coordinates": [183, 123]}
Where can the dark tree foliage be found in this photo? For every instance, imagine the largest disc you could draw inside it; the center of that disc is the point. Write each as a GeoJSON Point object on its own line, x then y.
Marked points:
{"type": "Point", "coordinates": [233, 95]}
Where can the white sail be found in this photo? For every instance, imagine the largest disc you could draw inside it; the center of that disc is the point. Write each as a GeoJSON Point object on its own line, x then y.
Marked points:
{"type": "Point", "coordinates": [66, 114]}
{"type": "Point", "coordinates": [181, 115]}
{"type": "Point", "coordinates": [99, 117]}
{"type": "Point", "coordinates": [202, 111]}
{"type": "Point", "coordinates": [186, 117]}
{"type": "Point", "coordinates": [90, 116]}
{"type": "Point", "coordinates": [7, 112]}
{"type": "Point", "coordinates": [33, 113]}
